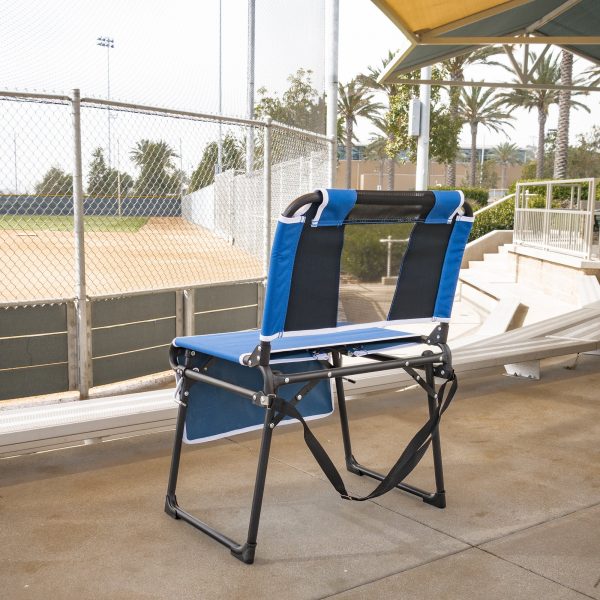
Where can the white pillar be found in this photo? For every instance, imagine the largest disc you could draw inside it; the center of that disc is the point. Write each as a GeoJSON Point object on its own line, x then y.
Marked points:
{"type": "Point", "coordinates": [422, 174]}
{"type": "Point", "coordinates": [332, 40]}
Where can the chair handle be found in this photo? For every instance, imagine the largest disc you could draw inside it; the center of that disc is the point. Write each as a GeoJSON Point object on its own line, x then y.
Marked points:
{"type": "Point", "coordinates": [372, 197]}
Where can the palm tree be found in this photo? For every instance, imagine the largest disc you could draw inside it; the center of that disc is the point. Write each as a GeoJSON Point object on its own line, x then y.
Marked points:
{"type": "Point", "coordinates": [380, 142]}
{"type": "Point", "coordinates": [478, 107]}
{"type": "Point", "coordinates": [376, 151]}
{"type": "Point", "coordinates": [354, 101]}
{"type": "Point", "coordinates": [564, 113]}
{"type": "Point", "coordinates": [378, 148]}
{"type": "Point", "coordinates": [157, 154]}
{"type": "Point", "coordinates": [505, 154]}
{"type": "Point", "coordinates": [371, 78]}
{"type": "Point", "coordinates": [156, 168]}
{"type": "Point", "coordinates": [455, 68]}
{"type": "Point", "coordinates": [547, 71]}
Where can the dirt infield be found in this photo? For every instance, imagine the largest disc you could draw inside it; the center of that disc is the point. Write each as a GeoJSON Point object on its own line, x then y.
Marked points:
{"type": "Point", "coordinates": [164, 253]}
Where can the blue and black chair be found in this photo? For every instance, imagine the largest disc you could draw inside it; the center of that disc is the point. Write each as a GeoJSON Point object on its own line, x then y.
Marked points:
{"type": "Point", "coordinates": [234, 382]}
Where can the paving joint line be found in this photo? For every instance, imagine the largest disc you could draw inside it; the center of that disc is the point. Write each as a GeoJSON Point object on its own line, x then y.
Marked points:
{"type": "Point", "coordinates": [511, 562]}
{"type": "Point", "coordinates": [427, 562]}
{"type": "Point", "coordinates": [538, 524]}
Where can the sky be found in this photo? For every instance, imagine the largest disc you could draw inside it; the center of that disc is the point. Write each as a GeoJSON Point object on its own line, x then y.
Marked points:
{"type": "Point", "coordinates": [166, 54]}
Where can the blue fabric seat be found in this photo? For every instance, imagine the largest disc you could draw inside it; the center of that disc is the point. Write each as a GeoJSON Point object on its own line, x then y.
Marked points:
{"type": "Point", "coordinates": [237, 345]}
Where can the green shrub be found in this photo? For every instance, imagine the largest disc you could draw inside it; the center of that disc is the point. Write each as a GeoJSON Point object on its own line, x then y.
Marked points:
{"type": "Point", "coordinates": [501, 216]}
{"type": "Point", "coordinates": [476, 197]}
{"type": "Point", "coordinates": [365, 257]}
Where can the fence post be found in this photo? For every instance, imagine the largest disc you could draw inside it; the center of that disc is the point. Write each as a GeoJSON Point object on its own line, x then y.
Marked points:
{"type": "Point", "coordinates": [189, 311]}
{"type": "Point", "coordinates": [80, 292]}
{"type": "Point", "coordinates": [267, 195]}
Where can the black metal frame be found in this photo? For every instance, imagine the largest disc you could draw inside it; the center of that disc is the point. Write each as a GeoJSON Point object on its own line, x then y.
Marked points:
{"type": "Point", "coordinates": [432, 364]}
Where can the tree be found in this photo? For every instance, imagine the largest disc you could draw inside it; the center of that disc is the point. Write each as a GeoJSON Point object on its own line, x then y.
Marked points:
{"type": "Point", "coordinates": [378, 146]}
{"type": "Point", "coordinates": [157, 172]}
{"type": "Point", "coordinates": [547, 71]}
{"type": "Point", "coordinates": [55, 183]}
{"type": "Point", "coordinates": [444, 130]}
{"type": "Point", "coordinates": [505, 154]}
{"type": "Point", "coordinates": [455, 68]}
{"type": "Point", "coordinates": [584, 158]}
{"type": "Point", "coordinates": [378, 150]}
{"type": "Point", "coordinates": [105, 182]}
{"type": "Point", "coordinates": [478, 107]}
{"type": "Point", "coordinates": [564, 113]}
{"type": "Point", "coordinates": [232, 158]}
{"type": "Point", "coordinates": [354, 101]}
{"type": "Point", "coordinates": [300, 105]}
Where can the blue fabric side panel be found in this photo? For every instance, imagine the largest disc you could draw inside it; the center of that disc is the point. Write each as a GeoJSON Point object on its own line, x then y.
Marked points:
{"type": "Point", "coordinates": [446, 203]}
{"type": "Point", "coordinates": [340, 203]}
{"type": "Point", "coordinates": [214, 411]}
{"type": "Point", "coordinates": [279, 279]}
{"type": "Point", "coordinates": [450, 269]}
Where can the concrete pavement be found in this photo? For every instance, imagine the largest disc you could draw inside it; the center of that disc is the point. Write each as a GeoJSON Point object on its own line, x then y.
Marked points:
{"type": "Point", "coordinates": [522, 466]}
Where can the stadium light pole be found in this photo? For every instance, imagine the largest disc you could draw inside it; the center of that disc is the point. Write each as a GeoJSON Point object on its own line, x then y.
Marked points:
{"type": "Point", "coordinates": [332, 8]}
{"type": "Point", "coordinates": [250, 84]}
{"type": "Point", "coordinates": [220, 144]}
{"type": "Point", "coordinates": [108, 43]}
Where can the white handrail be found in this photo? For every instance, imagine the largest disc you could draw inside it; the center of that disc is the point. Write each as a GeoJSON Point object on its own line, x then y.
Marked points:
{"type": "Point", "coordinates": [493, 204]}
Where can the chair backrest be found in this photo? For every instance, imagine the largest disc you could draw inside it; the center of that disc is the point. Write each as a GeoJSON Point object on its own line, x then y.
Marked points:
{"type": "Point", "coordinates": [304, 273]}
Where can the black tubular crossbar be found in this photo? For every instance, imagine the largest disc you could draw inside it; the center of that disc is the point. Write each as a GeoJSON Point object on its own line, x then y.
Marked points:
{"type": "Point", "coordinates": [417, 201]}
{"type": "Point", "coordinates": [373, 206]}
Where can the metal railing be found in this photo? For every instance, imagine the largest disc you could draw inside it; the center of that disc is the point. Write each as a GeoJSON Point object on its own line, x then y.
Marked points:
{"type": "Point", "coordinates": [164, 199]}
{"type": "Point", "coordinates": [558, 216]}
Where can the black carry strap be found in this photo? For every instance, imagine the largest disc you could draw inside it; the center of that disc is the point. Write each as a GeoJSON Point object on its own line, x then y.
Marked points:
{"type": "Point", "coordinates": [408, 460]}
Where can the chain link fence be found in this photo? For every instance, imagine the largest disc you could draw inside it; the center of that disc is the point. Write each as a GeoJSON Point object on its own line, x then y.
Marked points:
{"type": "Point", "coordinates": [171, 199]}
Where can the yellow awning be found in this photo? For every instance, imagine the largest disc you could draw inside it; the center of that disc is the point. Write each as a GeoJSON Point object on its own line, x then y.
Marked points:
{"type": "Point", "coordinates": [438, 29]}
{"type": "Point", "coordinates": [424, 15]}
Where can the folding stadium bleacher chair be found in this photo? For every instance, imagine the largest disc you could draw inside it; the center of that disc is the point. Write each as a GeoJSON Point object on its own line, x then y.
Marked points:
{"type": "Point", "coordinates": [234, 382]}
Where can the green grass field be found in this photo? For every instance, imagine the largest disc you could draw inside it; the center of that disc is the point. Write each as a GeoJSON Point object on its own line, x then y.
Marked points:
{"type": "Point", "coordinates": [51, 223]}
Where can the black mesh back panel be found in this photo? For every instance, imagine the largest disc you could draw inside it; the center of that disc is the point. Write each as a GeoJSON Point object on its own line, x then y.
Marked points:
{"type": "Point", "coordinates": [317, 299]}
{"type": "Point", "coordinates": [420, 272]}
{"type": "Point", "coordinates": [313, 301]}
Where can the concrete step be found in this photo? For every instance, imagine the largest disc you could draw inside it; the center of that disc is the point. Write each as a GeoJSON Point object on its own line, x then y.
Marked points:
{"type": "Point", "coordinates": [496, 257]}
{"type": "Point", "coordinates": [489, 274]}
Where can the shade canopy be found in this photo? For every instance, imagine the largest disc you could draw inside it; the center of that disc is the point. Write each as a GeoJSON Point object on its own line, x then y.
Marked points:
{"type": "Point", "coordinates": [437, 29]}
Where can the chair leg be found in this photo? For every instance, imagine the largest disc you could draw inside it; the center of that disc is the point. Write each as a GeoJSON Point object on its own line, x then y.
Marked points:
{"type": "Point", "coordinates": [437, 498]}
{"type": "Point", "coordinates": [244, 552]}
{"type": "Point", "coordinates": [171, 499]}
{"type": "Point", "coordinates": [341, 398]}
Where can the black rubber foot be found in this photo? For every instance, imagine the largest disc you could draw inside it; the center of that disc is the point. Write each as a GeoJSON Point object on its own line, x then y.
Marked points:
{"type": "Point", "coordinates": [438, 500]}
{"type": "Point", "coordinates": [170, 505]}
{"type": "Point", "coordinates": [245, 553]}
